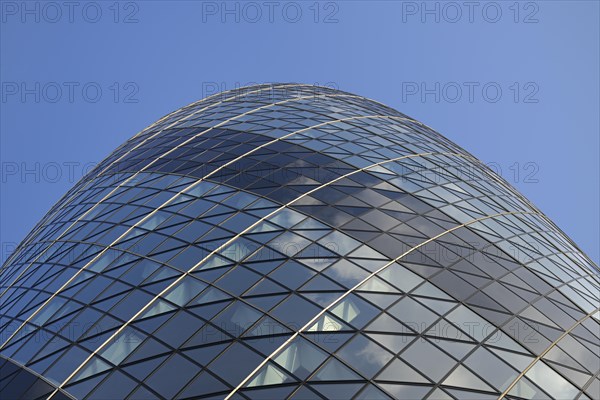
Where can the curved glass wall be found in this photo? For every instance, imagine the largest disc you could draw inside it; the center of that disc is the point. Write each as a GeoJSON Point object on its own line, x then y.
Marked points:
{"type": "Point", "coordinates": [288, 241]}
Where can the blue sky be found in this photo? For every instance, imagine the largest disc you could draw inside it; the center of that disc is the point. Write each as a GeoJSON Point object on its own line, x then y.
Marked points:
{"type": "Point", "coordinates": [516, 84]}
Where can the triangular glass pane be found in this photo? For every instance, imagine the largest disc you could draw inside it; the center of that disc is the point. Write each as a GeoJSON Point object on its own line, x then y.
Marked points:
{"type": "Point", "coordinates": [80, 390]}
{"type": "Point", "coordinates": [427, 289]}
{"type": "Point", "coordinates": [526, 390]}
{"type": "Point", "coordinates": [330, 341]}
{"type": "Point", "coordinates": [94, 366]}
{"type": "Point", "coordinates": [185, 290]}
{"type": "Point", "coordinates": [371, 392]}
{"type": "Point", "coordinates": [287, 218]}
{"type": "Point", "coordinates": [142, 394]}
{"type": "Point", "coordinates": [237, 317]}
{"type": "Point", "coordinates": [141, 370]}
{"type": "Point", "coordinates": [462, 377]}
{"type": "Point", "coordinates": [400, 277]}
{"type": "Point", "coordinates": [365, 251]}
{"type": "Point", "coordinates": [382, 300]}
{"type": "Point", "coordinates": [401, 372]}
{"type": "Point", "coordinates": [504, 341]}
{"type": "Point", "coordinates": [270, 374]}
{"type": "Point", "coordinates": [327, 323]}
{"type": "Point", "coordinates": [334, 370]}
{"type": "Point", "coordinates": [406, 391]}
{"type": "Point", "coordinates": [321, 283]}
{"type": "Point", "coordinates": [439, 394]}
{"type": "Point", "coordinates": [264, 303]}
{"type": "Point", "coordinates": [441, 307]}
{"type": "Point", "coordinates": [149, 348]}
{"type": "Point", "coordinates": [340, 391]}
{"type": "Point", "coordinates": [365, 355]}
{"type": "Point", "coordinates": [269, 392]}
{"type": "Point", "coordinates": [202, 385]}
{"type": "Point", "coordinates": [354, 311]}
{"type": "Point", "coordinates": [301, 358]}
{"type": "Point", "coordinates": [264, 227]}
{"type": "Point", "coordinates": [204, 355]}
{"type": "Point", "coordinates": [322, 298]}
{"type": "Point", "coordinates": [385, 323]}
{"type": "Point", "coordinates": [210, 295]}
{"type": "Point", "coordinates": [215, 261]}
{"type": "Point", "coordinates": [267, 326]}
{"type": "Point", "coordinates": [266, 286]}
{"type": "Point", "coordinates": [376, 284]}
{"type": "Point", "coordinates": [122, 345]}
{"type": "Point", "coordinates": [266, 345]}
{"type": "Point", "coordinates": [158, 307]}
{"type": "Point", "coordinates": [319, 263]}
{"type": "Point", "coordinates": [394, 342]}
{"type": "Point", "coordinates": [457, 349]}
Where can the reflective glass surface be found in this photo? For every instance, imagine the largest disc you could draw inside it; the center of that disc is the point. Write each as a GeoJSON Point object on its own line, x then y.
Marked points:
{"type": "Point", "coordinates": [290, 241]}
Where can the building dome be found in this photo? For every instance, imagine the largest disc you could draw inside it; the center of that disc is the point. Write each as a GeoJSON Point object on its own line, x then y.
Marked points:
{"type": "Point", "coordinates": [288, 241]}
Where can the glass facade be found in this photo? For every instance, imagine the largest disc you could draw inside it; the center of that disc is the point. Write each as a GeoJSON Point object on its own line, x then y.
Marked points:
{"type": "Point", "coordinates": [289, 241]}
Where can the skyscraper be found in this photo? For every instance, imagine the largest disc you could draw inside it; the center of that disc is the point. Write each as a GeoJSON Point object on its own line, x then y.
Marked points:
{"type": "Point", "coordinates": [288, 241]}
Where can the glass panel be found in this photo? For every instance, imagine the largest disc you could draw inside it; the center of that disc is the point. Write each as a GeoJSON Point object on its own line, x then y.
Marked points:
{"type": "Point", "coordinates": [301, 358]}
{"type": "Point", "coordinates": [365, 355]}
{"type": "Point", "coordinates": [287, 218]}
{"type": "Point", "coordinates": [333, 370]}
{"type": "Point", "coordinates": [188, 258]}
{"type": "Point", "coordinates": [400, 371]}
{"type": "Point", "coordinates": [238, 280]}
{"type": "Point", "coordinates": [406, 391]}
{"type": "Point", "coordinates": [525, 389]}
{"type": "Point", "coordinates": [172, 376]}
{"type": "Point", "coordinates": [292, 275]}
{"type": "Point", "coordinates": [203, 384]}
{"type": "Point", "coordinates": [48, 310]}
{"type": "Point", "coordinates": [346, 273]}
{"type": "Point", "coordinates": [210, 295]}
{"type": "Point", "coordinates": [178, 329]}
{"type": "Point", "coordinates": [295, 311]}
{"type": "Point", "coordinates": [328, 323]}
{"type": "Point", "coordinates": [235, 363]}
{"type": "Point", "coordinates": [376, 284]}
{"type": "Point", "coordinates": [471, 323]}
{"type": "Point", "coordinates": [338, 392]}
{"type": "Point", "coordinates": [420, 354]}
{"type": "Point", "coordinates": [66, 364]}
{"type": "Point", "coordinates": [551, 381]}
{"type": "Point", "coordinates": [400, 277]}
{"type": "Point", "coordinates": [122, 345]}
{"type": "Point", "coordinates": [185, 290]}
{"type": "Point", "coordinates": [270, 375]}
{"type": "Point", "coordinates": [491, 368]}
{"type": "Point", "coordinates": [158, 307]}
{"type": "Point", "coordinates": [117, 386]}
{"type": "Point", "coordinates": [237, 318]}
{"type": "Point", "coordinates": [462, 377]}
{"type": "Point", "coordinates": [372, 393]}
{"type": "Point", "coordinates": [354, 311]}
{"type": "Point", "coordinates": [339, 243]}
{"type": "Point", "coordinates": [394, 342]}
{"type": "Point", "coordinates": [94, 366]}
{"type": "Point", "coordinates": [413, 314]}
